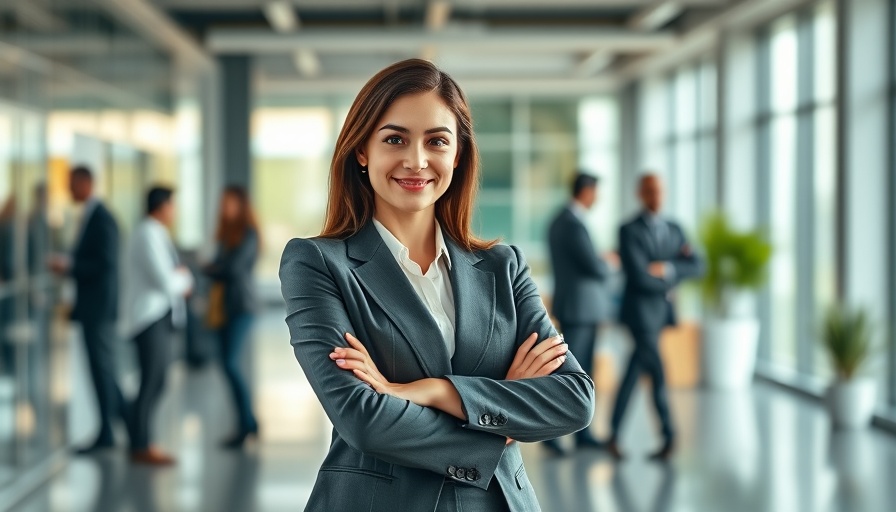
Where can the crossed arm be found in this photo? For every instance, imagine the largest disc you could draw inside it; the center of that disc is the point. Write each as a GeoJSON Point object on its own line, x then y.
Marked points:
{"type": "Point", "coordinates": [398, 429]}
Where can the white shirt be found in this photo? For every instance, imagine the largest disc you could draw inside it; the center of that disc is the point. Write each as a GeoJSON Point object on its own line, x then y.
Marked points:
{"type": "Point", "coordinates": [153, 283]}
{"type": "Point", "coordinates": [434, 286]}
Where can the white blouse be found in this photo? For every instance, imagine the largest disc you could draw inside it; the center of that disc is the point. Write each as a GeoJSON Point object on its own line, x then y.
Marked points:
{"type": "Point", "coordinates": [434, 286]}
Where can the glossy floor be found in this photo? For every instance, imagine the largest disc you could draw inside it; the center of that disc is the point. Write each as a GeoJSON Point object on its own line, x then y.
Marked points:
{"type": "Point", "coordinates": [763, 450]}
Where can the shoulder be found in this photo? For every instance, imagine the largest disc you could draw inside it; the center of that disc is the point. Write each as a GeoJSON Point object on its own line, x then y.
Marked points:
{"type": "Point", "coordinates": [312, 251]}
{"type": "Point", "coordinates": [502, 258]}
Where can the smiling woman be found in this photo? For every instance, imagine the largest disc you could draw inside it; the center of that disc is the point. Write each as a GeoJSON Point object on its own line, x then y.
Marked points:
{"type": "Point", "coordinates": [429, 349]}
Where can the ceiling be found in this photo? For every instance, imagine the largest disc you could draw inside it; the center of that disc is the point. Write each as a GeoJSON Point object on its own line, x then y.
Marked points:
{"type": "Point", "coordinates": [489, 45]}
{"type": "Point", "coordinates": [332, 46]}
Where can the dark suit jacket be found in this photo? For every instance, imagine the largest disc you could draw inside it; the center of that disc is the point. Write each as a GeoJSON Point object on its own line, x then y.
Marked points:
{"type": "Point", "coordinates": [645, 303]}
{"type": "Point", "coordinates": [389, 454]}
{"type": "Point", "coordinates": [578, 272]}
{"type": "Point", "coordinates": [233, 267]}
{"type": "Point", "coordinates": [95, 269]}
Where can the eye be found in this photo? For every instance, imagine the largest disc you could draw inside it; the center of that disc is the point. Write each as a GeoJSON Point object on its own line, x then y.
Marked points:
{"type": "Point", "coordinates": [439, 142]}
{"type": "Point", "coordinates": [393, 139]}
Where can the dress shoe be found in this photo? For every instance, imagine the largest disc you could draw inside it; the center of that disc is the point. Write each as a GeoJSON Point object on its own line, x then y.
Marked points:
{"type": "Point", "coordinates": [152, 457]}
{"type": "Point", "coordinates": [613, 449]}
{"type": "Point", "coordinates": [240, 439]}
{"type": "Point", "coordinates": [663, 454]}
{"type": "Point", "coordinates": [554, 448]}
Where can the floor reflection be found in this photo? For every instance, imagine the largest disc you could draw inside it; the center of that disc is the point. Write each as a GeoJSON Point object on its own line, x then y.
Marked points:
{"type": "Point", "coordinates": [761, 450]}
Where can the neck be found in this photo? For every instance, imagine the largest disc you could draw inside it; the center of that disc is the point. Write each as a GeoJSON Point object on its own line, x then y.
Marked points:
{"type": "Point", "coordinates": [158, 219]}
{"type": "Point", "coordinates": [416, 231]}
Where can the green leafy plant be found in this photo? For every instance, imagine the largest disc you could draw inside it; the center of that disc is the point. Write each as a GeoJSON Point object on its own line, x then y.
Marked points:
{"type": "Point", "coordinates": [735, 260]}
{"type": "Point", "coordinates": [847, 338]}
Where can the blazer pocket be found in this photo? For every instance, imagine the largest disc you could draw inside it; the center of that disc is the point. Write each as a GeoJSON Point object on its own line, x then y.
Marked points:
{"type": "Point", "coordinates": [522, 481]}
{"type": "Point", "coordinates": [357, 471]}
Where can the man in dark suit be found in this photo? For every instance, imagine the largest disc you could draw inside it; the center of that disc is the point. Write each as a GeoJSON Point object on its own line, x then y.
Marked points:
{"type": "Point", "coordinates": [578, 276]}
{"type": "Point", "coordinates": [94, 267]}
{"type": "Point", "coordinates": [655, 258]}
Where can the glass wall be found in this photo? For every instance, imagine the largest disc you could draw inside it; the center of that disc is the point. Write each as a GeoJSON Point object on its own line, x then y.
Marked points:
{"type": "Point", "coordinates": [791, 166]}
{"type": "Point", "coordinates": [82, 88]}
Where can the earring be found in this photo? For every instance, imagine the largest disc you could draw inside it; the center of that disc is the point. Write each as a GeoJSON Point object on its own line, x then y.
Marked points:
{"type": "Point", "coordinates": [363, 171]}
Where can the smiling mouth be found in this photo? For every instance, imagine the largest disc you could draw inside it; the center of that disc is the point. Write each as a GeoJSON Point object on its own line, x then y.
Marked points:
{"type": "Point", "coordinates": [413, 182]}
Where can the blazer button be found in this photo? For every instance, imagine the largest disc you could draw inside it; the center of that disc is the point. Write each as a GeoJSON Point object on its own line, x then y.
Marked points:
{"type": "Point", "coordinates": [452, 470]}
{"type": "Point", "coordinates": [461, 473]}
{"type": "Point", "coordinates": [495, 421]}
{"type": "Point", "coordinates": [473, 475]}
{"type": "Point", "coordinates": [502, 420]}
{"type": "Point", "coordinates": [485, 419]}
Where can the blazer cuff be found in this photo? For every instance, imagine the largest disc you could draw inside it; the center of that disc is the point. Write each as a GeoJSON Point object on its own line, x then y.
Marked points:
{"type": "Point", "coordinates": [482, 414]}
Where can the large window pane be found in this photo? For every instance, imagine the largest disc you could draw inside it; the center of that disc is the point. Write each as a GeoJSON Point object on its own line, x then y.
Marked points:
{"type": "Point", "coordinates": [784, 65]}
{"type": "Point", "coordinates": [825, 227]}
{"type": "Point", "coordinates": [783, 228]}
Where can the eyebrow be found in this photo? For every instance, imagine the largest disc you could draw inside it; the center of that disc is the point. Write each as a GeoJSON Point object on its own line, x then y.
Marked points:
{"type": "Point", "coordinates": [402, 129]}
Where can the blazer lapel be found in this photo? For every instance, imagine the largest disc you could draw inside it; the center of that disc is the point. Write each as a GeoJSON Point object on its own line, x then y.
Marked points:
{"type": "Point", "coordinates": [389, 287]}
{"type": "Point", "coordinates": [474, 306]}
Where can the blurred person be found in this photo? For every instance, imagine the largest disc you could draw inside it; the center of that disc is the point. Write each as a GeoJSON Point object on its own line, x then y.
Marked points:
{"type": "Point", "coordinates": [232, 300]}
{"type": "Point", "coordinates": [655, 257]}
{"type": "Point", "coordinates": [154, 307]}
{"type": "Point", "coordinates": [419, 339]}
{"type": "Point", "coordinates": [578, 276]}
{"type": "Point", "coordinates": [7, 275]}
{"type": "Point", "coordinates": [94, 266]}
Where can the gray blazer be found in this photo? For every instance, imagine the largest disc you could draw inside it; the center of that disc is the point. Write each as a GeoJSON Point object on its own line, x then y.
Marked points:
{"type": "Point", "coordinates": [389, 454]}
{"type": "Point", "coordinates": [233, 267]}
{"type": "Point", "coordinates": [578, 272]}
{"type": "Point", "coordinates": [645, 303]}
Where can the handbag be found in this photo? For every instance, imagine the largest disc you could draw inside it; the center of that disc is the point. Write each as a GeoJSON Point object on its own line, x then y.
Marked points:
{"type": "Point", "coordinates": [216, 314]}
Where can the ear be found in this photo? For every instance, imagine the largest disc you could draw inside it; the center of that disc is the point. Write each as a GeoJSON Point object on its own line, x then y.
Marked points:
{"type": "Point", "coordinates": [457, 157]}
{"type": "Point", "coordinates": [361, 156]}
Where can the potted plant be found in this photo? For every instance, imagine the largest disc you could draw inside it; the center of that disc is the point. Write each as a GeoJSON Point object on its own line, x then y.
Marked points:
{"type": "Point", "coordinates": [846, 337]}
{"type": "Point", "coordinates": [736, 262]}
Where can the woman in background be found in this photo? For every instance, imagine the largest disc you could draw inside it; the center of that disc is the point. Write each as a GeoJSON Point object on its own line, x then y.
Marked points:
{"type": "Point", "coordinates": [232, 299]}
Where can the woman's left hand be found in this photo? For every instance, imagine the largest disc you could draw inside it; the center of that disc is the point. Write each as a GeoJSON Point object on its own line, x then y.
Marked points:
{"type": "Point", "coordinates": [356, 358]}
{"type": "Point", "coordinates": [437, 393]}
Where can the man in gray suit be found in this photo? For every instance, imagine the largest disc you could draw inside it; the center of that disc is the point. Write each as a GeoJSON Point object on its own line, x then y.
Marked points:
{"type": "Point", "coordinates": [655, 257]}
{"type": "Point", "coordinates": [578, 276]}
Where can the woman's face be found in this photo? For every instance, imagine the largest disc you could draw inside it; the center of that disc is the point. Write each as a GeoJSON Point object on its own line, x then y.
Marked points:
{"type": "Point", "coordinates": [412, 153]}
{"type": "Point", "coordinates": [230, 207]}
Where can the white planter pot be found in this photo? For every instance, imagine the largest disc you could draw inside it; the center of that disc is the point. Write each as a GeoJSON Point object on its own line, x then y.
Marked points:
{"type": "Point", "coordinates": [728, 352]}
{"type": "Point", "coordinates": [852, 402]}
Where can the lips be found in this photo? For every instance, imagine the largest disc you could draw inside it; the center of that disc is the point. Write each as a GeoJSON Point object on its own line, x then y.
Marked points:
{"type": "Point", "coordinates": [412, 184]}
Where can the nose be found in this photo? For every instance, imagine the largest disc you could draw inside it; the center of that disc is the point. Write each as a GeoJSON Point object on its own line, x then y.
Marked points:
{"type": "Point", "coordinates": [416, 160]}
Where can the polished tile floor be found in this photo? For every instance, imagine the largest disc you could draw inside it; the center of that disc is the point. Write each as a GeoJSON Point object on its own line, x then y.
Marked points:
{"type": "Point", "coordinates": [762, 450]}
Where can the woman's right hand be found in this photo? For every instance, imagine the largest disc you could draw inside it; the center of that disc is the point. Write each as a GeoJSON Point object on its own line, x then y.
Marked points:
{"type": "Point", "coordinates": [533, 360]}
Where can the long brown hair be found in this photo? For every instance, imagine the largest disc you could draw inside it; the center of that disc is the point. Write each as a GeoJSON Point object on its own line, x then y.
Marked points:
{"type": "Point", "coordinates": [351, 201]}
{"type": "Point", "coordinates": [231, 232]}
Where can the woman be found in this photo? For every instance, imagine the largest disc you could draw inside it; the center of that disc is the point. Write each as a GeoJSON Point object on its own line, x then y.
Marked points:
{"type": "Point", "coordinates": [232, 300]}
{"type": "Point", "coordinates": [427, 376]}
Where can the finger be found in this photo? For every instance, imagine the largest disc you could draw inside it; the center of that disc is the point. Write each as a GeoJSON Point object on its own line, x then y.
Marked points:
{"type": "Point", "coordinates": [364, 377]}
{"type": "Point", "coordinates": [550, 367]}
{"type": "Point", "coordinates": [356, 343]}
{"type": "Point", "coordinates": [348, 353]}
{"type": "Point", "coordinates": [524, 349]}
{"type": "Point", "coordinates": [539, 349]}
{"type": "Point", "coordinates": [549, 355]}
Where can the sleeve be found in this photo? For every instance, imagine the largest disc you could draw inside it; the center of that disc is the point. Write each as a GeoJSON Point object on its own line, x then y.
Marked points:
{"type": "Point", "coordinates": [585, 256]}
{"type": "Point", "coordinates": [687, 264]}
{"type": "Point", "coordinates": [635, 262]}
{"type": "Point", "coordinates": [152, 258]}
{"type": "Point", "coordinates": [103, 256]}
{"type": "Point", "coordinates": [534, 409]}
{"type": "Point", "coordinates": [236, 262]}
{"type": "Point", "coordinates": [389, 428]}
